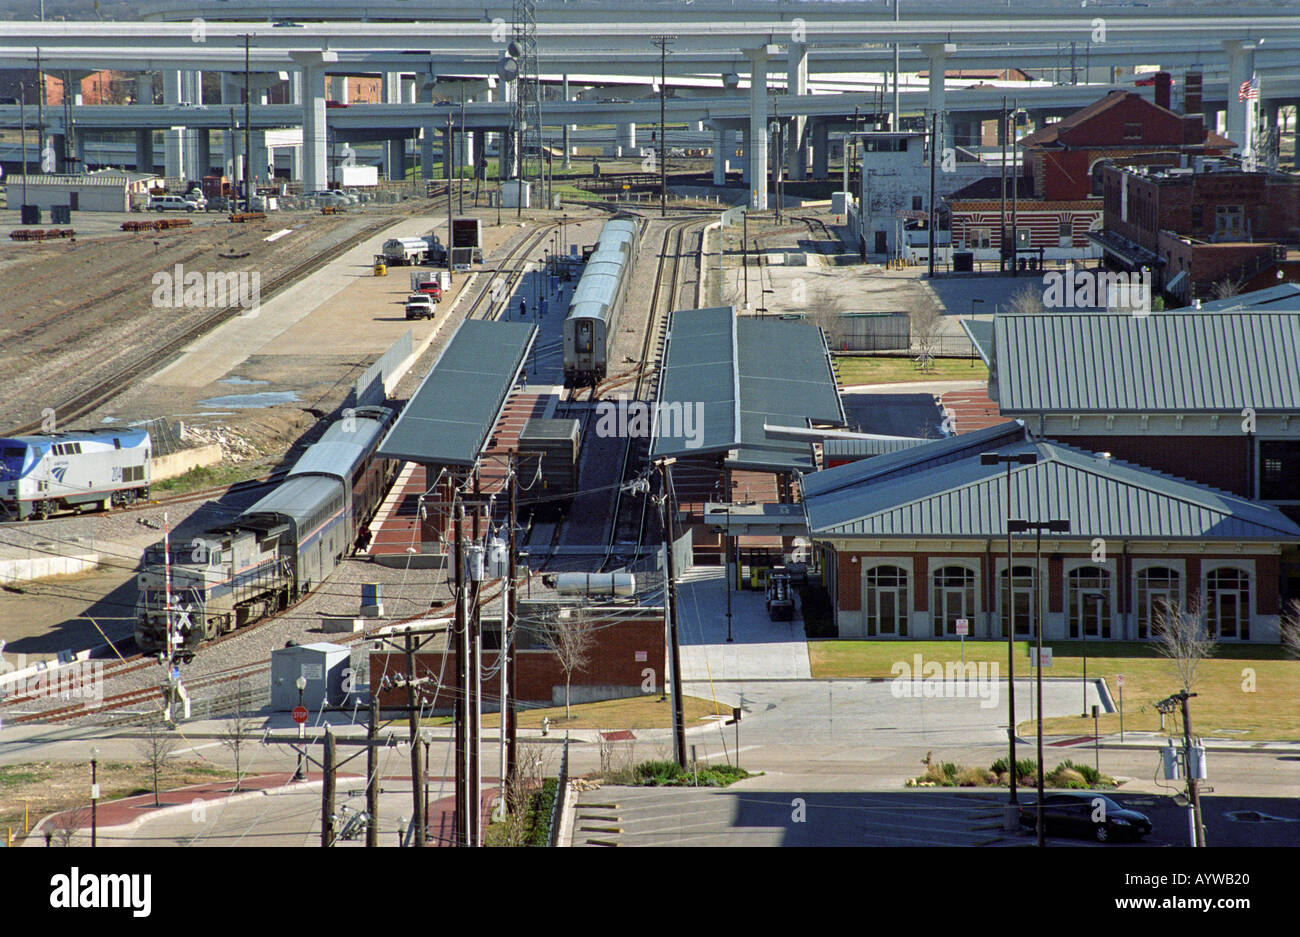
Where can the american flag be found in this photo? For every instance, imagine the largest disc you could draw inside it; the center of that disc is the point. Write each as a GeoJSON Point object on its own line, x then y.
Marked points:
{"type": "Point", "coordinates": [1249, 90]}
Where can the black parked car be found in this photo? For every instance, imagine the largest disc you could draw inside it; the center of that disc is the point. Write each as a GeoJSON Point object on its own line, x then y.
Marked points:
{"type": "Point", "coordinates": [1088, 814]}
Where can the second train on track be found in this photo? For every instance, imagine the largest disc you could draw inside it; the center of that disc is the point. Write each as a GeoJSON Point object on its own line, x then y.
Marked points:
{"type": "Point", "coordinates": [592, 320]}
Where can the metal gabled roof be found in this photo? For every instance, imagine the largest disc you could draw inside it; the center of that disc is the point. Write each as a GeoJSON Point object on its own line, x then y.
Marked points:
{"type": "Point", "coordinates": [919, 458]}
{"type": "Point", "coordinates": [1183, 361]}
{"type": "Point", "coordinates": [450, 417]}
{"type": "Point", "coordinates": [867, 448]}
{"type": "Point", "coordinates": [1100, 497]}
{"type": "Point", "coordinates": [1284, 295]}
{"type": "Point", "coordinates": [747, 373]}
{"type": "Point", "coordinates": [785, 378]}
{"type": "Point", "coordinates": [699, 367]}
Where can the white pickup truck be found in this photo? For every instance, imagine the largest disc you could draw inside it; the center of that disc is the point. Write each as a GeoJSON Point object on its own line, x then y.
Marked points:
{"type": "Point", "coordinates": [420, 306]}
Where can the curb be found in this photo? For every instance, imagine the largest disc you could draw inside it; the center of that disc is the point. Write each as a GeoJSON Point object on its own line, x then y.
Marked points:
{"type": "Point", "coordinates": [34, 837]}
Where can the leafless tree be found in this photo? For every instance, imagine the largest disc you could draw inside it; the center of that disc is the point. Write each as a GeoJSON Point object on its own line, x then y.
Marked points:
{"type": "Point", "coordinates": [531, 765]}
{"type": "Point", "coordinates": [237, 731]}
{"type": "Point", "coordinates": [1028, 299]}
{"type": "Point", "coordinates": [1291, 628]}
{"type": "Point", "coordinates": [65, 826]}
{"type": "Point", "coordinates": [155, 748]}
{"type": "Point", "coordinates": [1226, 288]}
{"type": "Point", "coordinates": [1182, 635]}
{"type": "Point", "coordinates": [926, 326]}
{"type": "Point", "coordinates": [827, 312]}
{"type": "Point", "coordinates": [570, 634]}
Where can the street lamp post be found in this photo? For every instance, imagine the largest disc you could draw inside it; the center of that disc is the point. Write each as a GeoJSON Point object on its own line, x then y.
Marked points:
{"type": "Point", "coordinates": [301, 773]}
{"type": "Point", "coordinates": [94, 797]}
{"type": "Point", "coordinates": [1010, 459]}
{"type": "Point", "coordinates": [1056, 527]}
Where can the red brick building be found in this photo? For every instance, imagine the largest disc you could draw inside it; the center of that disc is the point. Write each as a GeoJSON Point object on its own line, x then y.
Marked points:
{"type": "Point", "coordinates": [1058, 192]}
{"type": "Point", "coordinates": [629, 655]}
{"type": "Point", "coordinates": [1124, 127]}
{"type": "Point", "coordinates": [1199, 226]}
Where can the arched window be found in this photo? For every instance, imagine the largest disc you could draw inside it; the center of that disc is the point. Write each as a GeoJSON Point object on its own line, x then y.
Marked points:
{"type": "Point", "coordinates": [885, 602]}
{"type": "Point", "coordinates": [1157, 593]}
{"type": "Point", "coordinates": [1022, 599]}
{"type": "Point", "coordinates": [1089, 598]}
{"type": "Point", "coordinates": [1097, 168]}
{"type": "Point", "coordinates": [1227, 603]}
{"type": "Point", "coordinates": [954, 597]}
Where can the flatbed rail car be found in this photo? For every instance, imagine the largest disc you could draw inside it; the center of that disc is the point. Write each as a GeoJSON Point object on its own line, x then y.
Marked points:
{"type": "Point", "coordinates": [276, 551]}
{"type": "Point", "coordinates": [592, 319]}
{"type": "Point", "coordinates": [73, 471]}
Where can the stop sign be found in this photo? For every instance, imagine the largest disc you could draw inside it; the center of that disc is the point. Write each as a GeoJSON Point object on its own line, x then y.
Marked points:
{"type": "Point", "coordinates": [300, 714]}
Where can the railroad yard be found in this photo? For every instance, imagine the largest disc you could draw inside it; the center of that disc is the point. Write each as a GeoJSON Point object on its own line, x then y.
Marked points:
{"type": "Point", "coordinates": [271, 380]}
{"type": "Point", "coordinates": [579, 423]}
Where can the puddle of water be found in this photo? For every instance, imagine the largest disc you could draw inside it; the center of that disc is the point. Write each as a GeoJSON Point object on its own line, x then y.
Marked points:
{"type": "Point", "coordinates": [266, 398]}
{"type": "Point", "coordinates": [241, 380]}
{"type": "Point", "coordinates": [109, 419]}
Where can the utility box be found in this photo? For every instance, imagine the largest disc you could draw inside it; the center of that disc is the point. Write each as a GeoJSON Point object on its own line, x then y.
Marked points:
{"type": "Point", "coordinates": [839, 203]}
{"type": "Point", "coordinates": [555, 441]}
{"type": "Point", "coordinates": [515, 193]}
{"type": "Point", "coordinates": [323, 666]}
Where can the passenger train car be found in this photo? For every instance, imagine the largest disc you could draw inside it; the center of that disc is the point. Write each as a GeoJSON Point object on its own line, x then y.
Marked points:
{"type": "Point", "coordinates": [592, 320]}
{"type": "Point", "coordinates": [74, 471]}
{"type": "Point", "coordinates": [276, 551]}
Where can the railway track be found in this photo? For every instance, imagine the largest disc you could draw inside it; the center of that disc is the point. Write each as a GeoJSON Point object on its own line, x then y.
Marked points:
{"type": "Point", "coordinates": [628, 527]}
{"type": "Point", "coordinates": [79, 405]}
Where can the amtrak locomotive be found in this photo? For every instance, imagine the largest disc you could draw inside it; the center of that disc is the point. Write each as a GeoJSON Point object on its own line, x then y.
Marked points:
{"type": "Point", "coordinates": [74, 471]}
{"type": "Point", "coordinates": [592, 320]}
{"type": "Point", "coordinates": [276, 551]}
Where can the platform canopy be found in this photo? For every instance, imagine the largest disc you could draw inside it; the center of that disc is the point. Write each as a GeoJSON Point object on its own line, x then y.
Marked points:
{"type": "Point", "coordinates": [739, 374]}
{"type": "Point", "coordinates": [449, 419]}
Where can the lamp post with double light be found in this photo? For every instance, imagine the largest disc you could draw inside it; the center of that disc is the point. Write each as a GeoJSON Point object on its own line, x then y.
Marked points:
{"type": "Point", "coordinates": [1010, 459]}
{"type": "Point", "coordinates": [1055, 527]}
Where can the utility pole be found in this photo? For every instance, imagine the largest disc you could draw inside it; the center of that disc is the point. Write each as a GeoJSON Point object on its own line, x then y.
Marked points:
{"type": "Point", "coordinates": [662, 43]}
{"type": "Point", "coordinates": [248, 129]}
{"type": "Point", "coordinates": [508, 715]}
{"type": "Point", "coordinates": [327, 792]}
{"type": "Point", "coordinates": [450, 240]}
{"type": "Point", "coordinates": [413, 724]}
{"type": "Point", "coordinates": [40, 111]}
{"type": "Point", "coordinates": [460, 626]}
{"type": "Point", "coordinates": [460, 183]}
{"type": "Point", "coordinates": [22, 120]}
{"type": "Point", "coordinates": [1193, 783]}
{"type": "Point", "coordinates": [744, 251]}
{"type": "Point", "coordinates": [934, 158]}
{"type": "Point", "coordinates": [1002, 217]}
{"type": "Point", "coordinates": [1015, 188]}
{"type": "Point", "coordinates": [666, 512]}
{"type": "Point", "coordinates": [372, 769]}
{"type": "Point", "coordinates": [476, 684]}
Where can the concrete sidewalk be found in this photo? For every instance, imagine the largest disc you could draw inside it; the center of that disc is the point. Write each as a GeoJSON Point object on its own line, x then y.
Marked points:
{"type": "Point", "coordinates": [760, 649]}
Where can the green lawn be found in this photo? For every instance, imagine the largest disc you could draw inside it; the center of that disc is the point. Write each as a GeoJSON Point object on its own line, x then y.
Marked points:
{"type": "Point", "coordinates": [1249, 692]}
{"type": "Point", "coordinates": [873, 370]}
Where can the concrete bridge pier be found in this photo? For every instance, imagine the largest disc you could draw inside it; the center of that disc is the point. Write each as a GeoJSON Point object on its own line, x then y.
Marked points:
{"type": "Point", "coordinates": [797, 129]}
{"type": "Point", "coordinates": [315, 165]}
{"type": "Point", "coordinates": [1241, 67]}
{"type": "Point", "coordinates": [756, 156]}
